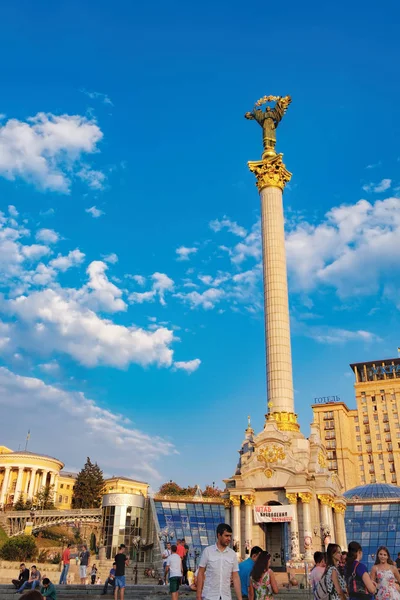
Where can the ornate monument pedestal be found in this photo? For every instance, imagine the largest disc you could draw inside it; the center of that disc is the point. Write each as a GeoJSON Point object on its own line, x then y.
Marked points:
{"type": "Point", "coordinates": [282, 496]}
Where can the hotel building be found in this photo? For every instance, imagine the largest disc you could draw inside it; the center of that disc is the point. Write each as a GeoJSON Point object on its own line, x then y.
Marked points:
{"type": "Point", "coordinates": [363, 444]}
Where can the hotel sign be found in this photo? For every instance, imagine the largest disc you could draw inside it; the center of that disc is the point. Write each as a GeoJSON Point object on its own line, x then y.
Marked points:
{"type": "Point", "coordinates": [326, 399]}
{"type": "Point", "coordinates": [385, 370]}
{"type": "Point", "coordinates": [273, 514]}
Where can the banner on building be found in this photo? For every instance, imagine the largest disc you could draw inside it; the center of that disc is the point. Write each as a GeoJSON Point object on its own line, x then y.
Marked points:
{"type": "Point", "coordinates": [273, 514]}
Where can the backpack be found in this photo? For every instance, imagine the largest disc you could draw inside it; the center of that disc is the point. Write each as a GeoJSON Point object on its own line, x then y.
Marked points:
{"type": "Point", "coordinates": [355, 584]}
{"type": "Point", "coordinates": [321, 589]}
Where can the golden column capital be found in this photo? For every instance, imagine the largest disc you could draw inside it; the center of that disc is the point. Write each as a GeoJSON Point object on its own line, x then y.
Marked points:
{"type": "Point", "coordinates": [249, 500]}
{"type": "Point", "coordinates": [227, 503]}
{"type": "Point", "coordinates": [235, 500]}
{"type": "Point", "coordinates": [325, 499]}
{"type": "Point", "coordinates": [270, 173]}
{"type": "Point", "coordinates": [339, 508]}
{"type": "Point", "coordinates": [292, 498]}
{"type": "Point", "coordinates": [305, 497]}
{"type": "Point", "coordinates": [285, 421]}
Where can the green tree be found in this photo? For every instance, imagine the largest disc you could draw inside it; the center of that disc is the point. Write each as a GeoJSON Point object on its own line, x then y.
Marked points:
{"type": "Point", "coordinates": [20, 504]}
{"type": "Point", "coordinates": [21, 548]}
{"type": "Point", "coordinates": [44, 498]}
{"type": "Point", "coordinates": [89, 486]}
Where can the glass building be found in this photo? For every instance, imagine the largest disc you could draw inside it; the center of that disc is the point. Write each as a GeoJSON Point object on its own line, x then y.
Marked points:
{"type": "Point", "coordinates": [195, 521]}
{"type": "Point", "coordinates": [371, 518]}
{"type": "Point", "coordinates": [122, 521]}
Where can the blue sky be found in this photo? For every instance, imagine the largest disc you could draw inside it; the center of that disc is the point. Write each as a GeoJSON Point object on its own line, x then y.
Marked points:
{"type": "Point", "coordinates": [131, 325]}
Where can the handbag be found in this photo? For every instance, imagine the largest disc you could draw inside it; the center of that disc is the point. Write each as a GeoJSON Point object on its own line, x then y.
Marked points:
{"type": "Point", "coordinates": [355, 584]}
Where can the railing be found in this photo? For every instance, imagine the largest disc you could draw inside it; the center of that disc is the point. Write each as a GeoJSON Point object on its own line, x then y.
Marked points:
{"type": "Point", "coordinates": [158, 498]}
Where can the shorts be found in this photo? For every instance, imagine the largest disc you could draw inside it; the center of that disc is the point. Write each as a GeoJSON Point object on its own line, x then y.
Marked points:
{"type": "Point", "coordinates": [120, 581]}
{"type": "Point", "coordinates": [174, 584]}
{"type": "Point", "coordinates": [82, 571]}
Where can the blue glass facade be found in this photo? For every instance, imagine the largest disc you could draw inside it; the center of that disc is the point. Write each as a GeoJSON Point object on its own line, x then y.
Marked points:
{"type": "Point", "coordinates": [373, 524]}
{"type": "Point", "coordinates": [194, 521]}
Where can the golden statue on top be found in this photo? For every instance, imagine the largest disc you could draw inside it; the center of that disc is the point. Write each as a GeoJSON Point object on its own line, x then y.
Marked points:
{"type": "Point", "coordinates": [269, 120]}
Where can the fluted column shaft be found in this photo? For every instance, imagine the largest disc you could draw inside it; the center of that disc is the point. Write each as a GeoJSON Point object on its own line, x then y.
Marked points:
{"type": "Point", "coordinates": [307, 529]}
{"type": "Point", "coordinates": [4, 487]}
{"type": "Point", "coordinates": [31, 490]}
{"type": "Point", "coordinates": [294, 527]}
{"type": "Point", "coordinates": [277, 325]}
{"type": "Point", "coordinates": [340, 528]}
{"type": "Point", "coordinates": [44, 479]}
{"type": "Point", "coordinates": [227, 514]}
{"type": "Point", "coordinates": [236, 524]}
{"type": "Point", "coordinates": [18, 486]}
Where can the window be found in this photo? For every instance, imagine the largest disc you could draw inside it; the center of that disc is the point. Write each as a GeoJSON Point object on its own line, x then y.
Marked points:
{"type": "Point", "coordinates": [357, 428]}
{"type": "Point", "coordinates": [67, 487]}
{"type": "Point", "coordinates": [365, 420]}
{"type": "Point", "coordinates": [390, 457]}
{"type": "Point", "coordinates": [389, 447]}
{"type": "Point", "coordinates": [380, 456]}
{"type": "Point", "coordinates": [367, 439]}
{"type": "Point", "coordinates": [370, 459]}
{"type": "Point", "coordinates": [388, 438]}
{"type": "Point", "coordinates": [392, 469]}
{"type": "Point", "coordinates": [358, 438]}
{"type": "Point", "coordinates": [373, 398]}
{"type": "Point", "coordinates": [362, 468]}
{"type": "Point", "coordinates": [61, 486]}
{"type": "Point", "coordinates": [394, 478]}
{"type": "Point", "coordinates": [369, 448]}
{"type": "Point", "coordinates": [375, 416]}
{"type": "Point", "coordinates": [382, 466]}
{"type": "Point", "coordinates": [378, 436]}
{"type": "Point", "coordinates": [373, 479]}
{"type": "Point", "coordinates": [385, 418]}
{"type": "Point", "coordinates": [364, 409]}
{"type": "Point", "coordinates": [360, 458]}
{"type": "Point", "coordinates": [359, 447]}
{"type": "Point", "coordinates": [377, 427]}
{"type": "Point", "coordinates": [66, 499]}
{"type": "Point", "coordinates": [379, 446]}
{"type": "Point", "coordinates": [60, 499]}
{"type": "Point", "coordinates": [355, 419]}
{"type": "Point", "coordinates": [362, 479]}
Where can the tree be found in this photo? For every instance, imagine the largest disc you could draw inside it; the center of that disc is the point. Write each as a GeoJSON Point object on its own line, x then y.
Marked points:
{"type": "Point", "coordinates": [44, 498]}
{"type": "Point", "coordinates": [20, 548]}
{"type": "Point", "coordinates": [20, 504]}
{"type": "Point", "coordinates": [211, 492]}
{"type": "Point", "coordinates": [170, 489]}
{"type": "Point", "coordinates": [89, 486]}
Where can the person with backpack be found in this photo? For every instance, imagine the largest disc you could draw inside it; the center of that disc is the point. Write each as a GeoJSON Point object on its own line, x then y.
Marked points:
{"type": "Point", "coordinates": [359, 583]}
{"type": "Point", "coordinates": [332, 585]}
{"type": "Point", "coordinates": [317, 571]}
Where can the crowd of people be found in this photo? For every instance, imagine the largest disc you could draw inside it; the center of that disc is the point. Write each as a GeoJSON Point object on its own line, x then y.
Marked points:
{"type": "Point", "coordinates": [31, 580]}
{"type": "Point", "coordinates": [341, 575]}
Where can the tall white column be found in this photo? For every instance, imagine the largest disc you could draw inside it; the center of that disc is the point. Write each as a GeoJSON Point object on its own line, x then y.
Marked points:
{"type": "Point", "coordinates": [248, 522]}
{"type": "Point", "coordinates": [236, 522]}
{"type": "Point", "coordinates": [326, 525]}
{"type": "Point", "coordinates": [227, 504]}
{"type": "Point", "coordinates": [277, 324]}
{"type": "Point", "coordinates": [18, 487]}
{"type": "Point", "coordinates": [31, 490]}
{"type": "Point", "coordinates": [4, 487]}
{"type": "Point", "coordinates": [306, 498]}
{"type": "Point", "coordinates": [52, 478]}
{"type": "Point", "coordinates": [332, 525]}
{"type": "Point", "coordinates": [294, 528]}
{"type": "Point", "coordinates": [44, 479]}
{"type": "Point", "coordinates": [340, 526]}
{"type": "Point", "coordinates": [25, 490]}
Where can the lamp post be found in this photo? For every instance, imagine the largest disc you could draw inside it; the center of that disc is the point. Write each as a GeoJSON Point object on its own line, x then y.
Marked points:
{"type": "Point", "coordinates": [137, 541]}
{"type": "Point", "coordinates": [166, 535]}
{"type": "Point", "coordinates": [196, 557]}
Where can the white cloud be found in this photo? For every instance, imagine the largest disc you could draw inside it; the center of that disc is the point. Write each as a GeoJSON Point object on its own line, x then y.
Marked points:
{"type": "Point", "coordinates": [111, 258]}
{"type": "Point", "coordinates": [98, 96]}
{"type": "Point", "coordinates": [231, 226]}
{"type": "Point", "coordinates": [139, 279]}
{"type": "Point", "coordinates": [72, 259]}
{"type": "Point", "coordinates": [382, 186]}
{"type": "Point", "coordinates": [46, 150]}
{"type": "Point", "coordinates": [349, 240]}
{"type": "Point", "coordinates": [94, 179]}
{"type": "Point", "coordinates": [99, 293]}
{"type": "Point", "coordinates": [96, 431]}
{"type": "Point", "coordinates": [35, 251]}
{"type": "Point", "coordinates": [95, 212]}
{"type": "Point", "coordinates": [206, 300]}
{"type": "Point", "coordinates": [141, 297]}
{"type": "Point", "coordinates": [214, 281]}
{"type": "Point", "coordinates": [161, 284]}
{"type": "Point", "coordinates": [12, 211]}
{"type": "Point", "coordinates": [184, 253]}
{"type": "Point", "coordinates": [332, 335]}
{"type": "Point", "coordinates": [49, 367]}
{"type": "Point", "coordinates": [48, 236]}
{"type": "Point", "coordinates": [190, 366]}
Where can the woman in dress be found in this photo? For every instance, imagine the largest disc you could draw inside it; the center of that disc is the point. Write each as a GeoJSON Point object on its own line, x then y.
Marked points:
{"type": "Point", "coordinates": [262, 580]}
{"type": "Point", "coordinates": [93, 574]}
{"type": "Point", "coordinates": [335, 583]}
{"type": "Point", "coordinates": [358, 581]}
{"type": "Point", "coordinates": [385, 574]}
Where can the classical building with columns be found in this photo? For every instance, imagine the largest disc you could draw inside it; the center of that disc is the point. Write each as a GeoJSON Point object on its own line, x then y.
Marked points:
{"type": "Point", "coordinates": [26, 473]}
{"type": "Point", "coordinates": [282, 495]}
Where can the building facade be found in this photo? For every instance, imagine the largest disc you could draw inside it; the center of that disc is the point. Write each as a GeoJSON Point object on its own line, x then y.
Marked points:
{"type": "Point", "coordinates": [363, 444]}
{"type": "Point", "coordinates": [25, 474]}
{"type": "Point", "coordinates": [372, 518]}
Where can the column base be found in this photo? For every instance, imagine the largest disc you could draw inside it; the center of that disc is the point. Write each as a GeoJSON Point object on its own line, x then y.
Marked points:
{"type": "Point", "coordinates": [285, 421]}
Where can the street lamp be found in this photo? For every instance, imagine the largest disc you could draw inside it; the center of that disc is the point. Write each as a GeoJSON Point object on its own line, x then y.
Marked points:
{"type": "Point", "coordinates": [137, 541]}
{"type": "Point", "coordinates": [196, 556]}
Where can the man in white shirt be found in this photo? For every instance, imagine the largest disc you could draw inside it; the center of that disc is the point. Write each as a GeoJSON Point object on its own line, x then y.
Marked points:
{"type": "Point", "coordinates": [220, 564]}
{"type": "Point", "coordinates": [173, 568]}
{"type": "Point", "coordinates": [165, 554]}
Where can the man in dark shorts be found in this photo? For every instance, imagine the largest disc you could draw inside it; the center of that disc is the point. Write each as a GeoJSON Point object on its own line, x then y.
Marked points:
{"type": "Point", "coordinates": [121, 561]}
{"type": "Point", "coordinates": [174, 570]}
